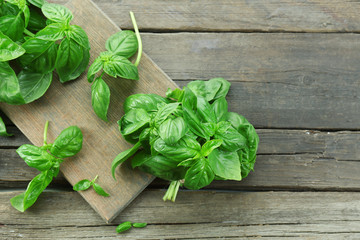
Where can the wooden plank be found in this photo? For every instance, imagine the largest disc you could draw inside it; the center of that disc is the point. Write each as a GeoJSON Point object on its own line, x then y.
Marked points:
{"type": "Point", "coordinates": [64, 215]}
{"type": "Point", "coordinates": [70, 104]}
{"type": "Point", "coordinates": [227, 15]}
{"type": "Point", "coordinates": [288, 159]}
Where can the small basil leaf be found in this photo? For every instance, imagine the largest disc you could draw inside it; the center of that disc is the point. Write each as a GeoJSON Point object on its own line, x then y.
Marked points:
{"type": "Point", "coordinates": [198, 88]}
{"type": "Point", "coordinates": [122, 157]}
{"type": "Point", "coordinates": [164, 112]}
{"type": "Point", "coordinates": [52, 32]}
{"type": "Point", "coordinates": [95, 67]}
{"type": "Point", "coordinates": [118, 66]}
{"type": "Point", "coordinates": [100, 98]}
{"type": "Point", "coordinates": [33, 85]}
{"type": "Point", "coordinates": [172, 130]}
{"type": "Point", "coordinates": [82, 185]}
{"type": "Point", "coordinates": [224, 88]}
{"type": "Point", "coordinates": [133, 121]}
{"type": "Point", "coordinates": [9, 50]}
{"type": "Point", "coordinates": [123, 227]}
{"type": "Point", "coordinates": [225, 164]}
{"type": "Point", "coordinates": [123, 43]}
{"type": "Point", "coordinates": [9, 85]}
{"type": "Point", "coordinates": [220, 108]}
{"type": "Point", "coordinates": [176, 94]}
{"type": "Point", "coordinates": [209, 146]}
{"type": "Point", "coordinates": [199, 175]}
{"type": "Point", "coordinates": [37, 3]}
{"type": "Point", "coordinates": [236, 120]}
{"type": "Point", "coordinates": [12, 26]}
{"type": "Point", "coordinates": [205, 111]}
{"type": "Point", "coordinates": [57, 13]}
{"type": "Point", "coordinates": [82, 66]}
{"type": "Point", "coordinates": [99, 190]}
{"type": "Point", "coordinates": [78, 34]}
{"type": "Point", "coordinates": [68, 143]}
{"type": "Point", "coordinates": [148, 102]}
{"type": "Point", "coordinates": [3, 131]}
{"type": "Point", "coordinates": [139, 225]}
{"type": "Point", "coordinates": [36, 157]}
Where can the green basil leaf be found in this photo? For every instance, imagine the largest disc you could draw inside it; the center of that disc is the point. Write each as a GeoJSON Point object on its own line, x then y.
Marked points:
{"type": "Point", "coordinates": [176, 94]}
{"type": "Point", "coordinates": [164, 112]}
{"type": "Point", "coordinates": [37, 20]}
{"type": "Point", "coordinates": [54, 170]}
{"type": "Point", "coordinates": [37, 3]}
{"type": "Point", "coordinates": [184, 149]}
{"type": "Point", "coordinates": [223, 126]}
{"type": "Point", "coordinates": [220, 108]}
{"type": "Point", "coordinates": [194, 123]}
{"type": "Point", "coordinates": [8, 8]}
{"type": "Point", "coordinates": [205, 111]}
{"type": "Point", "coordinates": [236, 120]}
{"type": "Point", "coordinates": [9, 50]}
{"type": "Point", "coordinates": [36, 157]}
{"type": "Point", "coordinates": [12, 26]}
{"type": "Point", "coordinates": [52, 32]}
{"type": "Point", "coordinates": [26, 12]}
{"type": "Point", "coordinates": [9, 85]}
{"type": "Point", "coordinates": [209, 146]}
{"type": "Point", "coordinates": [199, 175]}
{"type": "Point", "coordinates": [82, 185]}
{"type": "Point", "coordinates": [3, 131]}
{"type": "Point", "coordinates": [78, 34]}
{"type": "Point", "coordinates": [57, 13]}
{"type": "Point", "coordinates": [122, 157]}
{"type": "Point", "coordinates": [95, 67]}
{"type": "Point", "coordinates": [198, 88]}
{"type": "Point", "coordinates": [99, 190]}
{"type": "Point", "coordinates": [123, 227]}
{"type": "Point", "coordinates": [223, 90]}
{"type": "Point", "coordinates": [82, 66]}
{"type": "Point", "coordinates": [148, 102]}
{"type": "Point", "coordinates": [33, 85]}
{"type": "Point", "coordinates": [69, 57]}
{"type": "Point", "coordinates": [134, 120]}
{"type": "Point", "coordinates": [25, 200]}
{"type": "Point", "coordinates": [123, 43]}
{"type": "Point", "coordinates": [139, 225]}
{"type": "Point", "coordinates": [172, 130]}
{"type": "Point", "coordinates": [233, 140]}
{"type": "Point", "coordinates": [68, 143]}
{"type": "Point", "coordinates": [225, 164]}
{"type": "Point", "coordinates": [118, 66]}
{"type": "Point", "coordinates": [100, 98]}
{"type": "Point", "coordinates": [247, 155]}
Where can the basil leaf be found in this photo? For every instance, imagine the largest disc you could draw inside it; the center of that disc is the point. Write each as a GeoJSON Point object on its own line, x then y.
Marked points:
{"type": "Point", "coordinates": [25, 200]}
{"type": "Point", "coordinates": [220, 108]}
{"type": "Point", "coordinates": [82, 185]}
{"type": "Point", "coordinates": [99, 190]}
{"type": "Point", "coordinates": [233, 140]}
{"type": "Point", "coordinates": [148, 102]}
{"type": "Point", "coordinates": [100, 98]}
{"type": "Point", "coordinates": [184, 149]}
{"type": "Point", "coordinates": [36, 157]}
{"type": "Point", "coordinates": [95, 67]}
{"type": "Point", "coordinates": [9, 50]}
{"type": "Point", "coordinates": [37, 3]}
{"type": "Point", "coordinates": [198, 88]}
{"type": "Point", "coordinates": [69, 57]}
{"type": "Point", "coordinates": [68, 143]}
{"type": "Point", "coordinates": [12, 26]}
{"type": "Point", "coordinates": [123, 227]}
{"type": "Point", "coordinates": [26, 12]}
{"type": "Point", "coordinates": [82, 66]}
{"type": "Point", "coordinates": [40, 55]}
{"type": "Point", "coordinates": [123, 156]}
{"type": "Point", "coordinates": [205, 111]}
{"type": "Point", "coordinates": [123, 43]}
{"type": "Point", "coordinates": [78, 34]}
{"type": "Point", "coordinates": [225, 164]}
{"type": "Point", "coordinates": [172, 130]}
{"type": "Point", "coordinates": [57, 13]}
{"type": "Point", "coordinates": [52, 32]}
{"type": "Point", "coordinates": [176, 94]}
{"type": "Point", "coordinates": [117, 66]}
{"type": "Point", "coordinates": [134, 120]}
{"type": "Point", "coordinates": [236, 120]}
{"type": "Point", "coordinates": [194, 123]}
{"type": "Point", "coordinates": [199, 175]}
{"type": "Point", "coordinates": [164, 112]}
{"type": "Point", "coordinates": [209, 146]}
{"type": "Point", "coordinates": [139, 225]}
{"type": "Point", "coordinates": [37, 20]}
{"type": "Point", "coordinates": [33, 85]}
{"type": "Point", "coordinates": [9, 85]}
{"type": "Point", "coordinates": [3, 131]}
{"type": "Point", "coordinates": [223, 90]}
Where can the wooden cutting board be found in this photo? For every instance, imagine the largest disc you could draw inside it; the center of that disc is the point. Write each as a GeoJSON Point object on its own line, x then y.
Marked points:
{"type": "Point", "coordinates": [70, 104]}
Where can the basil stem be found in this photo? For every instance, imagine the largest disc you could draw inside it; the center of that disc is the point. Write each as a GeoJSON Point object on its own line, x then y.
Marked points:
{"type": "Point", "coordinates": [138, 38]}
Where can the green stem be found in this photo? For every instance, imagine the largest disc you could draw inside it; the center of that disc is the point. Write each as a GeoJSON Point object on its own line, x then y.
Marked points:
{"type": "Point", "coordinates": [27, 32]}
{"type": "Point", "coordinates": [138, 39]}
{"type": "Point", "coordinates": [45, 132]}
{"type": "Point", "coordinates": [172, 191]}
{"type": "Point", "coordinates": [95, 179]}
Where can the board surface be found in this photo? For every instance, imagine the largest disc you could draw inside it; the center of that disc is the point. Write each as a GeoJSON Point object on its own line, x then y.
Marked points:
{"type": "Point", "coordinates": [70, 104]}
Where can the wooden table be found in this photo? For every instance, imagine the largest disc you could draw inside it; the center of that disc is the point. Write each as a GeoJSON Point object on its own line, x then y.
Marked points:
{"type": "Point", "coordinates": [295, 73]}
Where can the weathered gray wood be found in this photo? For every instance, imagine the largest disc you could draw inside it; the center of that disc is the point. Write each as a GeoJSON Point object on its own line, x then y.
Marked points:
{"type": "Point", "coordinates": [273, 214]}
{"type": "Point", "coordinates": [247, 16]}
{"type": "Point", "coordinates": [288, 159]}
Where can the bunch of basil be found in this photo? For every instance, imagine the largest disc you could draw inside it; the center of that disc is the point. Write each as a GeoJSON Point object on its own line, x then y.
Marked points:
{"type": "Point", "coordinates": [189, 137]}
{"type": "Point", "coordinates": [36, 39]}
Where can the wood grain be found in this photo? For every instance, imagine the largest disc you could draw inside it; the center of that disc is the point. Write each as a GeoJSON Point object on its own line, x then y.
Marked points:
{"type": "Point", "coordinates": [245, 214]}
{"type": "Point", "coordinates": [70, 104]}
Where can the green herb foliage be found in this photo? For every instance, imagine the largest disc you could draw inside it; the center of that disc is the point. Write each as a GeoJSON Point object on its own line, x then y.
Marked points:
{"type": "Point", "coordinates": [86, 184]}
{"type": "Point", "coordinates": [127, 225]}
{"type": "Point", "coordinates": [36, 39]}
{"type": "Point", "coordinates": [47, 161]}
{"type": "Point", "coordinates": [3, 131]}
{"type": "Point", "coordinates": [189, 137]}
{"type": "Point", "coordinates": [115, 63]}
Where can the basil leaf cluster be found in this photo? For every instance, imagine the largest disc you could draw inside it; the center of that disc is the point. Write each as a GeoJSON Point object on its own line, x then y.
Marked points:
{"type": "Point", "coordinates": [46, 159]}
{"type": "Point", "coordinates": [85, 184]}
{"type": "Point", "coordinates": [114, 62]}
{"type": "Point", "coordinates": [189, 137]}
{"type": "Point", "coordinates": [36, 38]}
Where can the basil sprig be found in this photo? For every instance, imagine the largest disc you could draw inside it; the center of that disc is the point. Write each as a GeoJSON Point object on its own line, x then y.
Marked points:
{"type": "Point", "coordinates": [114, 62]}
{"type": "Point", "coordinates": [46, 159]}
{"type": "Point", "coordinates": [36, 38]}
{"type": "Point", "coordinates": [85, 184]}
{"type": "Point", "coordinates": [189, 137]}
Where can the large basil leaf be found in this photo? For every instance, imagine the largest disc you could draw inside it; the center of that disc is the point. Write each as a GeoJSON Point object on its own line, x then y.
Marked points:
{"type": "Point", "coordinates": [210, 146]}
{"type": "Point", "coordinates": [172, 130]}
{"type": "Point", "coordinates": [134, 120]}
{"type": "Point", "coordinates": [100, 98]}
{"type": "Point", "coordinates": [233, 140]}
{"type": "Point", "coordinates": [225, 164]}
{"type": "Point", "coordinates": [148, 102]}
{"type": "Point", "coordinates": [199, 175]}
{"type": "Point", "coordinates": [9, 50]}
{"type": "Point", "coordinates": [52, 32]}
{"type": "Point", "coordinates": [69, 57]}
{"type": "Point", "coordinates": [117, 66]}
{"type": "Point", "coordinates": [33, 85]}
{"type": "Point", "coordinates": [123, 156]}
{"type": "Point", "coordinates": [68, 143]}
{"type": "Point", "coordinates": [95, 67]}
{"type": "Point", "coordinates": [186, 148]}
{"type": "Point", "coordinates": [3, 131]}
{"type": "Point", "coordinates": [9, 85]}
{"type": "Point", "coordinates": [12, 26]}
{"type": "Point", "coordinates": [78, 34]}
{"type": "Point", "coordinates": [220, 108]}
{"type": "Point", "coordinates": [123, 43]}
{"type": "Point", "coordinates": [36, 157]}
{"type": "Point", "coordinates": [57, 13]}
